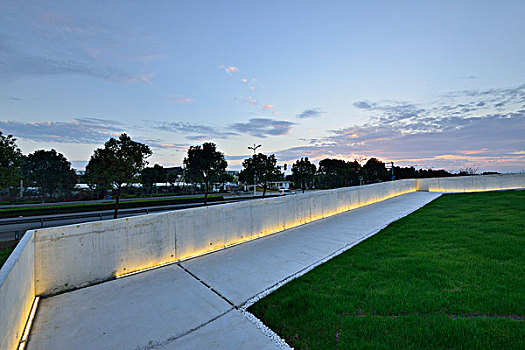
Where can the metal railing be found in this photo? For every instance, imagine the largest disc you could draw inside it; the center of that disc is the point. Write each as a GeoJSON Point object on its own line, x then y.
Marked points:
{"type": "Point", "coordinates": [43, 221]}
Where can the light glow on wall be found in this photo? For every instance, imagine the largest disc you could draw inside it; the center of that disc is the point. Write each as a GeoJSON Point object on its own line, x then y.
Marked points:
{"type": "Point", "coordinates": [27, 329]}
{"type": "Point", "coordinates": [453, 190]}
{"type": "Point", "coordinates": [278, 227]}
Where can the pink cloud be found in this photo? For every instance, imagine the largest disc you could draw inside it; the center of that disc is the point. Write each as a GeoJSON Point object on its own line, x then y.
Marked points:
{"type": "Point", "coordinates": [181, 99]}
{"type": "Point", "coordinates": [141, 78]}
{"type": "Point", "coordinates": [229, 69]}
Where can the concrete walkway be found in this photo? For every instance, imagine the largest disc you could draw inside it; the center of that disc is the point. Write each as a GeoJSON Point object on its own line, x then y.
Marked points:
{"type": "Point", "coordinates": [196, 304]}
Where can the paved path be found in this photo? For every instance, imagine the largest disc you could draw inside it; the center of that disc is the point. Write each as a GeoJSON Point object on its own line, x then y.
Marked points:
{"type": "Point", "coordinates": [196, 304]}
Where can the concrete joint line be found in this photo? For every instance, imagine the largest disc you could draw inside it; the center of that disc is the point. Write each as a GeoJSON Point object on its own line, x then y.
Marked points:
{"type": "Point", "coordinates": [158, 345]}
{"type": "Point", "coordinates": [207, 285]}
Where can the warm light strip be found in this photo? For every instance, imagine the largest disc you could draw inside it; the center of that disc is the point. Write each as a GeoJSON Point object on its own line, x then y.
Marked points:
{"type": "Point", "coordinates": [279, 228]}
{"type": "Point", "coordinates": [268, 232]}
{"type": "Point", "coordinates": [145, 269]}
{"type": "Point", "coordinates": [449, 190]}
{"type": "Point", "coordinates": [27, 329]}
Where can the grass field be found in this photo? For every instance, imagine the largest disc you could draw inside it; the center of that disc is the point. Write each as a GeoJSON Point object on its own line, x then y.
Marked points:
{"type": "Point", "coordinates": [450, 275]}
{"type": "Point", "coordinates": [4, 254]}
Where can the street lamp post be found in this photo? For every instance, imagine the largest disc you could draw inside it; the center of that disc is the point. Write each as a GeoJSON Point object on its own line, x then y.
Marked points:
{"type": "Point", "coordinates": [254, 148]}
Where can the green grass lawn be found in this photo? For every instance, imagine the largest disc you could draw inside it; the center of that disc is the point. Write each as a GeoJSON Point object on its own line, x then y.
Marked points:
{"type": "Point", "coordinates": [450, 275]}
{"type": "Point", "coordinates": [4, 254]}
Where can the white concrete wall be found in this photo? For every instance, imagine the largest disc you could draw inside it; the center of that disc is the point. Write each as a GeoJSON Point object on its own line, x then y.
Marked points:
{"type": "Point", "coordinates": [69, 257]}
{"type": "Point", "coordinates": [54, 260]}
{"type": "Point", "coordinates": [74, 256]}
{"type": "Point", "coordinates": [474, 183]}
{"type": "Point", "coordinates": [17, 292]}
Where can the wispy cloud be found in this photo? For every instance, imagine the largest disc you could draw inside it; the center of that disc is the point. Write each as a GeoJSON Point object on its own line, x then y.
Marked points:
{"type": "Point", "coordinates": [229, 69]}
{"type": "Point", "coordinates": [181, 99]}
{"type": "Point", "coordinates": [42, 40]}
{"type": "Point", "coordinates": [464, 128]}
{"type": "Point", "coordinates": [310, 113]}
{"type": "Point", "coordinates": [267, 107]}
{"type": "Point", "coordinates": [84, 130]}
{"type": "Point", "coordinates": [264, 127]}
{"type": "Point", "coordinates": [140, 78]}
{"type": "Point", "coordinates": [364, 104]}
{"type": "Point", "coordinates": [156, 143]}
{"type": "Point", "coordinates": [196, 132]}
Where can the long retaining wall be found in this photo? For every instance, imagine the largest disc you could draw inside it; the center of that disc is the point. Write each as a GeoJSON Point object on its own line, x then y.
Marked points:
{"type": "Point", "coordinates": [471, 183]}
{"type": "Point", "coordinates": [17, 291]}
{"type": "Point", "coordinates": [59, 259]}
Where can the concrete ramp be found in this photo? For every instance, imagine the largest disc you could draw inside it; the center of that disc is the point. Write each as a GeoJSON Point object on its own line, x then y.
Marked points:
{"type": "Point", "coordinates": [198, 303]}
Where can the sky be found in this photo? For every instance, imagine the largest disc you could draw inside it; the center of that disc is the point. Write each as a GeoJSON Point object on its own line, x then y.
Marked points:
{"type": "Point", "coordinates": [429, 84]}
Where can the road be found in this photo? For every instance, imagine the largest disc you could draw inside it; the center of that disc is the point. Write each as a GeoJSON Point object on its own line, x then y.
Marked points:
{"type": "Point", "coordinates": [225, 195]}
{"type": "Point", "coordinates": [12, 228]}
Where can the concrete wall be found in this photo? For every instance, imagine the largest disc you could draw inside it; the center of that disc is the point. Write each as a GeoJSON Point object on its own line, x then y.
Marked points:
{"type": "Point", "coordinates": [74, 256]}
{"type": "Point", "coordinates": [17, 292]}
{"type": "Point", "coordinates": [475, 183]}
{"type": "Point", "coordinates": [54, 260]}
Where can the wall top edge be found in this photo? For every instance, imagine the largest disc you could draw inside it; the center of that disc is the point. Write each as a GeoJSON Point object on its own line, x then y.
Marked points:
{"type": "Point", "coordinates": [13, 258]}
{"type": "Point", "coordinates": [272, 200]}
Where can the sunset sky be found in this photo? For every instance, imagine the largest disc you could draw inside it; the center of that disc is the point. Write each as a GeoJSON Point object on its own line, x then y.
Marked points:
{"type": "Point", "coordinates": [436, 84]}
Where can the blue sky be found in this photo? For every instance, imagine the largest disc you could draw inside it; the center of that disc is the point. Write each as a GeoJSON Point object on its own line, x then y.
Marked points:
{"type": "Point", "coordinates": [429, 84]}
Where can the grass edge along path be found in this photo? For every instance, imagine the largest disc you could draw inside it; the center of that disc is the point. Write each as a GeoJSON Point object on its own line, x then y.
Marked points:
{"type": "Point", "coordinates": [450, 275]}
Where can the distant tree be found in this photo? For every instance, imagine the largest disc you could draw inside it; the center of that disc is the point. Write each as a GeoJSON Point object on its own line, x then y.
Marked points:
{"type": "Point", "coordinates": [428, 173]}
{"type": "Point", "coordinates": [353, 172]}
{"type": "Point", "coordinates": [303, 172]}
{"type": "Point", "coordinates": [50, 171]}
{"type": "Point", "coordinates": [468, 171]}
{"type": "Point", "coordinates": [405, 172]}
{"type": "Point", "coordinates": [205, 164]}
{"type": "Point", "coordinates": [334, 172]}
{"type": "Point", "coordinates": [149, 176]}
{"type": "Point", "coordinates": [11, 159]}
{"type": "Point", "coordinates": [265, 167]}
{"type": "Point", "coordinates": [375, 171]}
{"type": "Point", "coordinates": [119, 162]}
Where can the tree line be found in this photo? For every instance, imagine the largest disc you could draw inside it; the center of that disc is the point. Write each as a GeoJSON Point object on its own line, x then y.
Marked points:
{"type": "Point", "coordinates": [122, 161]}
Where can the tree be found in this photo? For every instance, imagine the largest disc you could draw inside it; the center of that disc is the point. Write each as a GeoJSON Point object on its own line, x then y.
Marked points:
{"type": "Point", "coordinates": [117, 163]}
{"type": "Point", "coordinates": [50, 171]}
{"type": "Point", "coordinates": [303, 172]}
{"type": "Point", "coordinates": [375, 171]}
{"type": "Point", "coordinates": [264, 167]}
{"type": "Point", "coordinates": [204, 164]}
{"type": "Point", "coordinates": [333, 172]}
{"type": "Point", "coordinates": [468, 170]}
{"type": "Point", "coordinates": [149, 176]}
{"type": "Point", "coordinates": [353, 172]}
{"type": "Point", "coordinates": [10, 161]}
{"type": "Point", "coordinates": [225, 178]}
